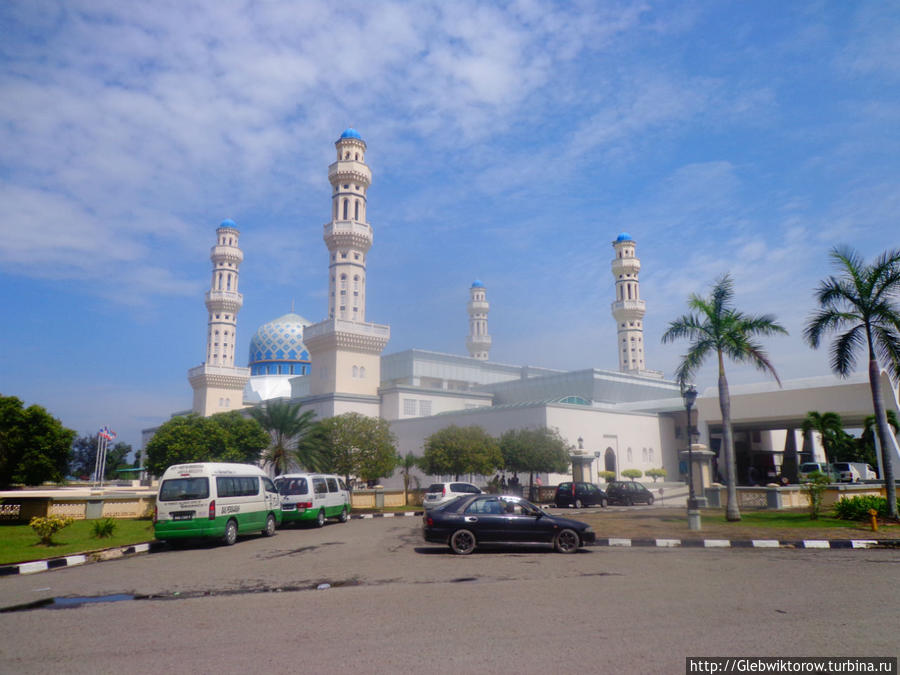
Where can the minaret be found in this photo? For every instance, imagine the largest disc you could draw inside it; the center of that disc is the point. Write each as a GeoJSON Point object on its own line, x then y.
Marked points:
{"type": "Point", "coordinates": [218, 385]}
{"type": "Point", "coordinates": [348, 236]}
{"type": "Point", "coordinates": [628, 308]}
{"type": "Point", "coordinates": [344, 350]}
{"type": "Point", "coordinates": [479, 342]}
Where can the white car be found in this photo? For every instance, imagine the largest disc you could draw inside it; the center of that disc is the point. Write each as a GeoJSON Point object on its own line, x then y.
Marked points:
{"type": "Point", "coordinates": [441, 493]}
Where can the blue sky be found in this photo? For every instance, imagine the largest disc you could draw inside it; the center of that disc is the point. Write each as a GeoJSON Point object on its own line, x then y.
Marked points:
{"type": "Point", "coordinates": [510, 142]}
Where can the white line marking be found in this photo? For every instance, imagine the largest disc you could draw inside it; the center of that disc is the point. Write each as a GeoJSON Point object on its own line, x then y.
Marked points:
{"type": "Point", "coordinates": [620, 542]}
{"type": "Point", "coordinates": [766, 543]}
{"type": "Point", "coordinates": [716, 543]}
{"type": "Point", "coordinates": [816, 543]}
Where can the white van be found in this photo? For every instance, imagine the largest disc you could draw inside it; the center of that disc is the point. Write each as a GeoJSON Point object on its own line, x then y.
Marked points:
{"type": "Point", "coordinates": [211, 499]}
{"type": "Point", "coordinates": [313, 497]}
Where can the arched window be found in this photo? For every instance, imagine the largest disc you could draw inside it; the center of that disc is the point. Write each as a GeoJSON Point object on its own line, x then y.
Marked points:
{"type": "Point", "coordinates": [362, 372]}
{"type": "Point", "coordinates": [355, 371]}
{"type": "Point", "coordinates": [346, 206]}
{"type": "Point", "coordinates": [356, 217]}
{"type": "Point", "coordinates": [228, 282]}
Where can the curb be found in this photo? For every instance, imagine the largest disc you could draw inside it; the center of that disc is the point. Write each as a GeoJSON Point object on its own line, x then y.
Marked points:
{"type": "Point", "coordinates": [34, 566]}
{"type": "Point", "coordinates": [750, 543]}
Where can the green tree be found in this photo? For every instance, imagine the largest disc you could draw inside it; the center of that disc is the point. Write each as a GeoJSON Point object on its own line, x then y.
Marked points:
{"type": "Point", "coordinates": [829, 427]}
{"type": "Point", "coordinates": [533, 451]}
{"type": "Point", "coordinates": [457, 450]}
{"type": "Point", "coordinates": [861, 305]}
{"type": "Point", "coordinates": [356, 445]}
{"type": "Point", "coordinates": [293, 437]}
{"type": "Point", "coordinates": [34, 446]}
{"type": "Point", "coordinates": [83, 459]}
{"type": "Point", "coordinates": [716, 327]}
{"type": "Point", "coordinates": [226, 437]}
{"type": "Point", "coordinates": [633, 474]}
{"type": "Point", "coordinates": [656, 473]}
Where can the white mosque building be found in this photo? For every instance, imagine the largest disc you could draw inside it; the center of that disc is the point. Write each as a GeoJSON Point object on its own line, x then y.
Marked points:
{"type": "Point", "coordinates": [613, 420]}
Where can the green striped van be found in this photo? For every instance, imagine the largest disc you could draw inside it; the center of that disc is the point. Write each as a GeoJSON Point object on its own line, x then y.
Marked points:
{"type": "Point", "coordinates": [212, 499]}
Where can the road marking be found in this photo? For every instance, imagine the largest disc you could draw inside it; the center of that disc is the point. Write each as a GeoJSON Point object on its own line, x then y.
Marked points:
{"type": "Point", "coordinates": [668, 543]}
{"type": "Point", "coordinates": [816, 543]}
{"type": "Point", "coordinates": [81, 559]}
{"type": "Point", "coordinates": [620, 542]}
{"type": "Point", "coordinates": [766, 543]}
{"type": "Point", "coordinates": [863, 543]}
{"type": "Point", "coordinates": [716, 543]}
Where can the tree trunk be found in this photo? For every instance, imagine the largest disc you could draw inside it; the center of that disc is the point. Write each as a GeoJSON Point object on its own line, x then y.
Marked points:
{"type": "Point", "coordinates": [887, 448]}
{"type": "Point", "coordinates": [732, 512]}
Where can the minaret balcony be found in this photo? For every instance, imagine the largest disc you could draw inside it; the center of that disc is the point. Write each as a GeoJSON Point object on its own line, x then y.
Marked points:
{"type": "Point", "coordinates": [628, 309]}
{"type": "Point", "coordinates": [349, 233]}
{"type": "Point", "coordinates": [227, 253]}
{"type": "Point", "coordinates": [349, 171]}
{"type": "Point", "coordinates": [230, 301]}
{"type": "Point", "coordinates": [481, 306]}
{"type": "Point", "coordinates": [625, 266]}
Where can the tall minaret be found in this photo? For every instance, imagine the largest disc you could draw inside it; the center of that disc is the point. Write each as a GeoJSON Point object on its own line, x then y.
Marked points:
{"type": "Point", "coordinates": [218, 386]}
{"type": "Point", "coordinates": [628, 308]}
{"type": "Point", "coordinates": [478, 342]}
{"type": "Point", "coordinates": [348, 236]}
{"type": "Point", "coordinates": [344, 350]}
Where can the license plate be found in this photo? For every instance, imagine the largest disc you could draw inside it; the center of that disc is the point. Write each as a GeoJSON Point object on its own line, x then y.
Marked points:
{"type": "Point", "coordinates": [288, 507]}
{"type": "Point", "coordinates": [188, 515]}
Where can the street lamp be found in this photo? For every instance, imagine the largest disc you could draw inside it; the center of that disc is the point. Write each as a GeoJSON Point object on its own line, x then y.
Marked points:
{"type": "Point", "coordinates": [690, 396]}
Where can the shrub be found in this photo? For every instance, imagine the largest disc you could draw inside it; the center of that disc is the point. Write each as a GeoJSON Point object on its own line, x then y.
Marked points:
{"type": "Point", "coordinates": [815, 490]}
{"type": "Point", "coordinates": [857, 508]}
{"type": "Point", "coordinates": [632, 473]}
{"type": "Point", "coordinates": [656, 473]}
{"type": "Point", "coordinates": [47, 527]}
{"type": "Point", "coordinates": [103, 528]}
{"type": "Point", "coordinates": [606, 475]}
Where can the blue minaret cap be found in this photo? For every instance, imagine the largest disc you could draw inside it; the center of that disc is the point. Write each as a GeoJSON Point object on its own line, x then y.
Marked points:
{"type": "Point", "coordinates": [624, 237]}
{"type": "Point", "coordinates": [228, 222]}
{"type": "Point", "coordinates": [350, 132]}
{"type": "Point", "coordinates": [477, 284]}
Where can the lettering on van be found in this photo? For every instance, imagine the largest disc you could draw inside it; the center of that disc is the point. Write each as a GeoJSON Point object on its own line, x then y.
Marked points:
{"type": "Point", "coordinates": [231, 508]}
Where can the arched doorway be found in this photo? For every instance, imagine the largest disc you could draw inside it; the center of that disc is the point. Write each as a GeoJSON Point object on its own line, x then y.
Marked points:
{"type": "Point", "coordinates": [609, 461]}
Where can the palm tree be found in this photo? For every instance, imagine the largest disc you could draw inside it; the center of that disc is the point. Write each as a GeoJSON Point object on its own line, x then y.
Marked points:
{"type": "Point", "coordinates": [407, 463]}
{"type": "Point", "coordinates": [828, 426]}
{"type": "Point", "coordinates": [294, 440]}
{"type": "Point", "coordinates": [716, 327]}
{"type": "Point", "coordinates": [863, 302]}
{"type": "Point", "coordinates": [866, 442]}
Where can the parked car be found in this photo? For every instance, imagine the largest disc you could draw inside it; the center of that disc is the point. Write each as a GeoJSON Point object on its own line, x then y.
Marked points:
{"type": "Point", "coordinates": [807, 468]}
{"type": "Point", "coordinates": [441, 493]}
{"type": "Point", "coordinates": [311, 498]}
{"type": "Point", "coordinates": [491, 520]}
{"type": "Point", "coordinates": [628, 492]}
{"type": "Point", "coordinates": [579, 494]}
{"type": "Point", "coordinates": [846, 472]}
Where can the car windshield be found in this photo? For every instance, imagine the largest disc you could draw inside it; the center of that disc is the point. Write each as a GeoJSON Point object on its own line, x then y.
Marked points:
{"type": "Point", "coordinates": [181, 489]}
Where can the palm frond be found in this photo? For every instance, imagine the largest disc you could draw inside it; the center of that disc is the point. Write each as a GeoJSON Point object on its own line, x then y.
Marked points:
{"type": "Point", "coordinates": [843, 351]}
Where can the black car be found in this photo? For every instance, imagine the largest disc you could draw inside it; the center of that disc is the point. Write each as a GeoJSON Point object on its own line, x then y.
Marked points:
{"type": "Point", "coordinates": [578, 495]}
{"type": "Point", "coordinates": [628, 492]}
{"type": "Point", "coordinates": [476, 520]}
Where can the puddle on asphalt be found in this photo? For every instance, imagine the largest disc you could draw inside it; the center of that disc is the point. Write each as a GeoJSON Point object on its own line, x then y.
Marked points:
{"type": "Point", "coordinates": [66, 603]}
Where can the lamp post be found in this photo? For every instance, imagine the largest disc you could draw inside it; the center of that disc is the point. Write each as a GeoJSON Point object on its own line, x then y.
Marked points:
{"type": "Point", "coordinates": [690, 396]}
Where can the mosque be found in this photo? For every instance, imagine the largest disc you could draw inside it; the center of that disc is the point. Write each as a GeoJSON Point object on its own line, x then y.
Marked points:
{"type": "Point", "coordinates": [613, 420]}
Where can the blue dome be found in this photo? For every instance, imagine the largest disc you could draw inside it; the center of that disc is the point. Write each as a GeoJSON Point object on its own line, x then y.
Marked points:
{"type": "Point", "coordinates": [477, 284]}
{"type": "Point", "coordinates": [277, 347]}
{"type": "Point", "coordinates": [624, 237]}
{"type": "Point", "coordinates": [228, 222]}
{"type": "Point", "coordinates": [350, 132]}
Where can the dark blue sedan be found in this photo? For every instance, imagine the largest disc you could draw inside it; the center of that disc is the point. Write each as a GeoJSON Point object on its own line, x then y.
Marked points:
{"type": "Point", "coordinates": [488, 520]}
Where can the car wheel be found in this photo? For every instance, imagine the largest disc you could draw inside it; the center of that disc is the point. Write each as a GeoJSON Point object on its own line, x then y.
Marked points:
{"type": "Point", "coordinates": [462, 542]}
{"type": "Point", "coordinates": [344, 517]}
{"type": "Point", "coordinates": [270, 525]}
{"type": "Point", "coordinates": [567, 541]}
{"type": "Point", "coordinates": [320, 518]}
{"type": "Point", "coordinates": [230, 533]}
{"type": "Point", "coordinates": [650, 500]}
{"type": "Point", "coordinates": [556, 504]}
{"type": "Point", "coordinates": [629, 501]}
{"type": "Point", "coordinates": [578, 504]}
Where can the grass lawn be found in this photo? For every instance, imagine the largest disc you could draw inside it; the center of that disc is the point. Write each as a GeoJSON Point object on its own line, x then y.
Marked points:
{"type": "Point", "coordinates": [19, 543]}
{"type": "Point", "coordinates": [783, 519]}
